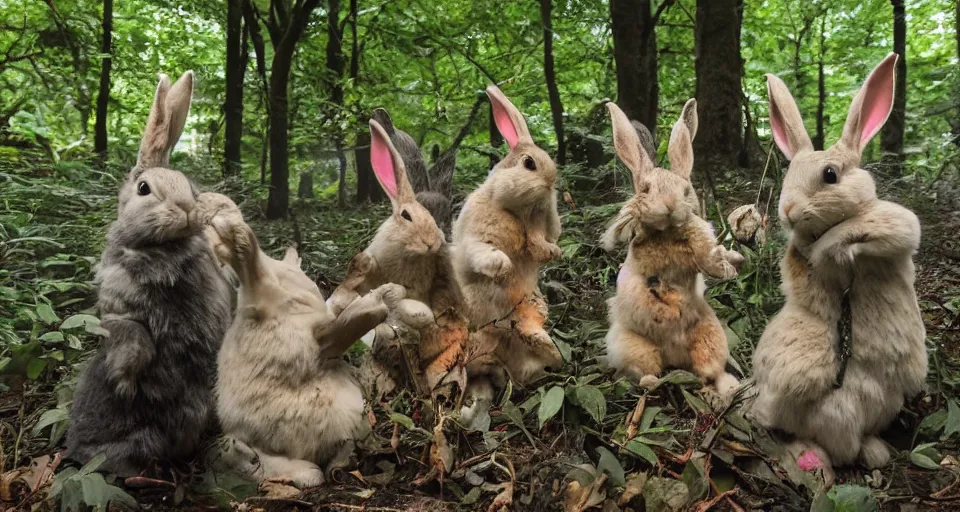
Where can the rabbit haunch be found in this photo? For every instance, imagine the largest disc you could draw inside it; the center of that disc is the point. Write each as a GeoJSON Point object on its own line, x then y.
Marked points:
{"type": "Point", "coordinates": [843, 240]}
{"type": "Point", "coordinates": [147, 395]}
{"type": "Point", "coordinates": [659, 317]}
{"type": "Point", "coordinates": [409, 249]}
{"type": "Point", "coordinates": [507, 229]}
{"type": "Point", "coordinates": [285, 400]}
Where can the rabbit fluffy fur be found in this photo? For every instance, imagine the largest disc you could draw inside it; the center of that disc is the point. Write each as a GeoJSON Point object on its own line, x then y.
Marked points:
{"type": "Point", "coordinates": [409, 249]}
{"type": "Point", "coordinates": [147, 395]}
{"type": "Point", "coordinates": [659, 317]}
{"type": "Point", "coordinates": [841, 237]}
{"type": "Point", "coordinates": [286, 401]}
{"type": "Point", "coordinates": [507, 229]}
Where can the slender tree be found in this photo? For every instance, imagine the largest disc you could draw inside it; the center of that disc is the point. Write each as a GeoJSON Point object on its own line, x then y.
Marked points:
{"type": "Point", "coordinates": [556, 107]}
{"type": "Point", "coordinates": [286, 24]}
{"type": "Point", "coordinates": [103, 95]}
{"type": "Point", "coordinates": [233, 105]}
{"type": "Point", "coordinates": [891, 140]}
{"type": "Point", "coordinates": [335, 68]}
{"type": "Point", "coordinates": [717, 38]}
{"type": "Point", "coordinates": [818, 137]}
{"type": "Point", "coordinates": [632, 23]}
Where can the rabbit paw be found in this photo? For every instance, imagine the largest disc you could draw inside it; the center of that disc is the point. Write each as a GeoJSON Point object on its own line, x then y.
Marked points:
{"type": "Point", "coordinates": [414, 313]}
{"type": "Point", "coordinates": [126, 387]}
{"type": "Point", "coordinates": [495, 265]}
{"type": "Point", "coordinates": [391, 294]}
{"type": "Point", "coordinates": [726, 270]}
{"type": "Point", "coordinates": [842, 255]}
{"type": "Point", "coordinates": [726, 384]}
{"type": "Point", "coordinates": [649, 381]}
{"type": "Point", "coordinates": [545, 252]}
{"type": "Point", "coordinates": [734, 258]}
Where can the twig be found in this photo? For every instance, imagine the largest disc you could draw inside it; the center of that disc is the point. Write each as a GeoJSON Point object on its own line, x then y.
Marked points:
{"type": "Point", "coordinates": [763, 176]}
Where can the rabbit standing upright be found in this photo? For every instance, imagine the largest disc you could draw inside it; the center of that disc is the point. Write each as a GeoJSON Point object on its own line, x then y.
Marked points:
{"type": "Point", "coordinates": [147, 395]}
{"type": "Point", "coordinates": [286, 400]}
{"type": "Point", "coordinates": [659, 317]}
{"type": "Point", "coordinates": [409, 249]}
{"type": "Point", "coordinates": [506, 230]}
{"type": "Point", "coordinates": [433, 186]}
{"type": "Point", "coordinates": [834, 365]}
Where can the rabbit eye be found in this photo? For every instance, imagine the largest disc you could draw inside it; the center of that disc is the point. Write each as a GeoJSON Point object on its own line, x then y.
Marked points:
{"type": "Point", "coordinates": [406, 215]}
{"type": "Point", "coordinates": [143, 189]}
{"type": "Point", "coordinates": [529, 163]}
{"type": "Point", "coordinates": [829, 175]}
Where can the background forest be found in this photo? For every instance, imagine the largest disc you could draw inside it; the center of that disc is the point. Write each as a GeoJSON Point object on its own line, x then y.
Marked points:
{"type": "Point", "coordinates": [284, 89]}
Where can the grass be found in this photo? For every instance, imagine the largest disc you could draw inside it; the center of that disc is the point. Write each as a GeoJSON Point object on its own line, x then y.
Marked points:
{"type": "Point", "coordinates": [577, 439]}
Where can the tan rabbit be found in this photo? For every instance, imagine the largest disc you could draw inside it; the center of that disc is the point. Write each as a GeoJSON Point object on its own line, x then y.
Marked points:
{"type": "Point", "coordinates": [410, 250]}
{"type": "Point", "coordinates": [659, 317]}
{"type": "Point", "coordinates": [286, 401]}
{"type": "Point", "coordinates": [506, 230]}
{"type": "Point", "coordinates": [837, 380]}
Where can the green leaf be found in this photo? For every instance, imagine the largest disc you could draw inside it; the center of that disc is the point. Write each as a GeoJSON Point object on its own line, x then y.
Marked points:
{"type": "Point", "coordinates": [681, 378]}
{"type": "Point", "coordinates": [608, 462]}
{"type": "Point", "coordinates": [924, 455]}
{"type": "Point", "coordinates": [92, 465]}
{"type": "Point", "coordinates": [52, 336]}
{"type": "Point", "coordinates": [693, 477]}
{"type": "Point", "coordinates": [592, 400]}
{"type": "Point", "coordinates": [638, 448]}
{"type": "Point", "coordinates": [45, 312]}
{"type": "Point", "coordinates": [953, 418]}
{"type": "Point", "coordinates": [406, 421]}
{"type": "Point", "coordinates": [35, 368]}
{"type": "Point", "coordinates": [845, 498]}
{"type": "Point", "coordinates": [698, 405]}
{"type": "Point", "coordinates": [51, 417]}
{"type": "Point", "coordinates": [80, 320]}
{"type": "Point", "coordinates": [550, 405]}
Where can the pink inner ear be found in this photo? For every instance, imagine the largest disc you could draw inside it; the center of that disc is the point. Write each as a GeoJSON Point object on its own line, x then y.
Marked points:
{"type": "Point", "coordinates": [505, 124]}
{"type": "Point", "coordinates": [779, 135]}
{"type": "Point", "coordinates": [382, 162]}
{"type": "Point", "coordinates": [876, 107]}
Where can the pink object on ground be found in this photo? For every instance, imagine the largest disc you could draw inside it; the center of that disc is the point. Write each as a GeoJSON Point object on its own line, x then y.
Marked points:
{"type": "Point", "coordinates": [808, 461]}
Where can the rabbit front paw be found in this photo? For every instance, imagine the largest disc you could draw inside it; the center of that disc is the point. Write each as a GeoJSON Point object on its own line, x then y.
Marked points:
{"type": "Point", "coordinates": [391, 294]}
{"type": "Point", "coordinates": [725, 269]}
{"type": "Point", "coordinates": [842, 255]}
{"type": "Point", "coordinates": [126, 387]}
{"type": "Point", "coordinates": [545, 252]}
{"type": "Point", "coordinates": [734, 258]}
{"type": "Point", "coordinates": [495, 265]}
{"type": "Point", "coordinates": [415, 313]}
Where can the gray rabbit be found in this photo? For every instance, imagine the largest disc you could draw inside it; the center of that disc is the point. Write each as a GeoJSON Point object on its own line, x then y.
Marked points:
{"type": "Point", "coordinates": [147, 395]}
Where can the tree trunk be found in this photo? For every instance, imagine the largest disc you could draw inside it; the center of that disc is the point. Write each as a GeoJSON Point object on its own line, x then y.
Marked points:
{"type": "Point", "coordinates": [556, 107]}
{"type": "Point", "coordinates": [635, 55]}
{"type": "Point", "coordinates": [719, 138]}
{"type": "Point", "coordinates": [103, 95]}
{"type": "Point", "coordinates": [892, 139]}
{"type": "Point", "coordinates": [818, 138]}
{"type": "Point", "coordinates": [285, 40]}
{"type": "Point", "coordinates": [335, 66]}
{"type": "Point", "coordinates": [955, 124]}
{"type": "Point", "coordinates": [305, 187]}
{"type": "Point", "coordinates": [366, 184]}
{"type": "Point", "coordinates": [233, 106]}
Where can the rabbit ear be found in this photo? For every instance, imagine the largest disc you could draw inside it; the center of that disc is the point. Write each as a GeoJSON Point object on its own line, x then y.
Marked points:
{"type": "Point", "coordinates": [680, 150]}
{"type": "Point", "coordinates": [441, 174]}
{"type": "Point", "coordinates": [388, 165]}
{"type": "Point", "coordinates": [291, 256]}
{"type": "Point", "coordinates": [871, 106]}
{"type": "Point", "coordinates": [381, 116]}
{"type": "Point", "coordinates": [627, 144]}
{"type": "Point", "coordinates": [168, 115]}
{"type": "Point", "coordinates": [509, 120]}
{"type": "Point", "coordinates": [785, 121]}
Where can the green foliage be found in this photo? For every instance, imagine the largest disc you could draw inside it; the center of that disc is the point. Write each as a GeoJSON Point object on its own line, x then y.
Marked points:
{"type": "Point", "coordinates": [78, 489]}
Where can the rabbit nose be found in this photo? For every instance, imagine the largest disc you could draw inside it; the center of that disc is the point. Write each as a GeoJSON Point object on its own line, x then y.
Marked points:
{"type": "Point", "coordinates": [671, 203]}
{"type": "Point", "coordinates": [787, 207]}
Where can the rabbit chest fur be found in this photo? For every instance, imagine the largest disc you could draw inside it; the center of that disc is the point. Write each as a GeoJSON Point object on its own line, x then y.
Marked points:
{"type": "Point", "coordinates": [659, 296]}
{"type": "Point", "coordinates": [796, 363]}
{"type": "Point", "coordinates": [166, 308]}
{"type": "Point", "coordinates": [483, 218]}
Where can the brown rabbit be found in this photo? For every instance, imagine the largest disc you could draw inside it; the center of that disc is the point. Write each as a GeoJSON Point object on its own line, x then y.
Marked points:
{"type": "Point", "coordinates": [410, 250]}
{"type": "Point", "coordinates": [659, 316]}
{"type": "Point", "coordinates": [848, 252]}
{"type": "Point", "coordinates": [506, 230]}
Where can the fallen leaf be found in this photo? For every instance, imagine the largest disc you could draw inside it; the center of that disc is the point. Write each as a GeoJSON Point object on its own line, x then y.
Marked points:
{"type": "Point", "coordinates": [278, 490]}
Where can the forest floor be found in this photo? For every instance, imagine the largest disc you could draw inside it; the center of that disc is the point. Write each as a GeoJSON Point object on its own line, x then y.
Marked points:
{"type": "Point", "coordinates": [577, 440]}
